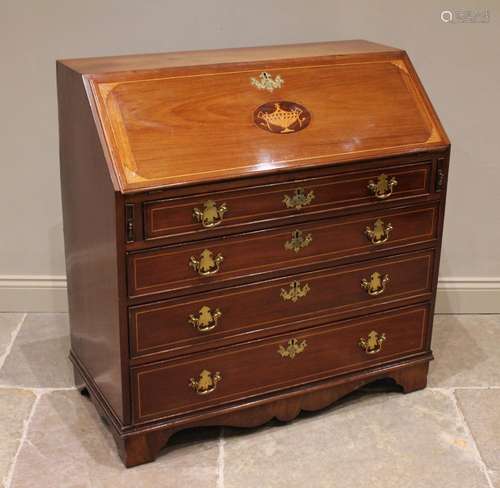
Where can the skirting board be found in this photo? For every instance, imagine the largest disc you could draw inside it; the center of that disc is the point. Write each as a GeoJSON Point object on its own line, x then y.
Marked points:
{"type": "Point", "coordinates": [468, 295]}
{"type": "Point", "coordinates": [33, 293]}
{"type": "Point", "coordinates": [40, 293]}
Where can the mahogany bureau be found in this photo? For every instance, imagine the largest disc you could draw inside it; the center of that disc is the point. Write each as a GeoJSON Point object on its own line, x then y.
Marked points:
{"type": "Point", "coordinates": [249, 232]}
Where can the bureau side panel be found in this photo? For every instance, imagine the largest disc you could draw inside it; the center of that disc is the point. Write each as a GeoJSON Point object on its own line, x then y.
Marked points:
{"type": "Point", "coordinates": [92, 213]}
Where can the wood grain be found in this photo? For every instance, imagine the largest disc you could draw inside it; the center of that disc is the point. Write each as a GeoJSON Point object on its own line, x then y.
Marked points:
{"type": "Point", "coordinates": [154, 61]}
{"type": "Point", "coordinates": [164, 326]}
{"type": "Point", "coordinates": [143, 443]}
{"type": "Point", "coordinates": [174, 217]}
{"type": "Point", "coordinates": [259, 256]}
{"type": "Point", "coordinates": [360, 108]}
{"type": "Point", "coordinates": [146, 139]}
{"type": "Point", "coordinates": [93, 241]}
{"type": "Point", "coordinates": [163, 389]}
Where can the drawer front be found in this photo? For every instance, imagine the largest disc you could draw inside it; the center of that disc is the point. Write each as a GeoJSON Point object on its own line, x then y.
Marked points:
{"type": "Point", "coordinates": [178, 325]}
{"type": "Point", "coordinates": [257, 253]}
{"type": "Point", "coordinates": [168, 388]}
{"type": "Point", "coordinates": [196, 217]}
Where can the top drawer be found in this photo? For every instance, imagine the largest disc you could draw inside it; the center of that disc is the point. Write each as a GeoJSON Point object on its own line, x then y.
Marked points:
{"type": "Point", "coordinates": [196, 217]}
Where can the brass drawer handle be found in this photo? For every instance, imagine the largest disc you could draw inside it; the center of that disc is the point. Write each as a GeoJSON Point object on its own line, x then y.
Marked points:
{"type": "Point", "coordinates": [373, 344]}
{"type": "Point", "coordinates": [206, 320]}
{"type": "Point", "coordinates": [376, 285]}
{"type": "Point", "coordinates": [383, 188]}
{"type": "Point", "coordinates": [299, 199]}
{"type": "Point", "coordinates": [298, 241]}
{"type": "Point", "coordinates": [380, 232]}
{"type": "Point", "coordinates": [293, 348]}
{"type": "Point", "coordinates": [207, 265]}
{"type": "Point", "coordinates": [295, 292]}
{"type": "Point", "coordinates": [211, 215]}
{"type": "Point", "coordinates": [206, 383]}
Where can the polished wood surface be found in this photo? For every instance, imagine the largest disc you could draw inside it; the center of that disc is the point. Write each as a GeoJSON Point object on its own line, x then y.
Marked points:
{"type": "Point", "coordinates": [165, 325]}
{"type": "Point", "coordinates": [93, 242]}
{"type": "Point", "coordinates": [166, 156]}
{"type": "Point", "coordinates": [144, 443]}
{"type": "Point", "coordinates": [174, 217]}
{"type": "Point", "coordinates": [258, 254]}
{"type": "Point", "coordinates": [163, 389]}
{"type": "Point", "coordinates": [360, 107]}
{"type": "Point", "coordinates": [290, 52]}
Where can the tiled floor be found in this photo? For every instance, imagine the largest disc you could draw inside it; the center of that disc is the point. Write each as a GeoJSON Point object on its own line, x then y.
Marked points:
{"type": "Point", "coordinates": [446, 436]}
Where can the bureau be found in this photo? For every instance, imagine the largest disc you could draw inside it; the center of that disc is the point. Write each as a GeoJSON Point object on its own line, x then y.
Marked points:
{"type": "Point", "coordinates": [249, 232]}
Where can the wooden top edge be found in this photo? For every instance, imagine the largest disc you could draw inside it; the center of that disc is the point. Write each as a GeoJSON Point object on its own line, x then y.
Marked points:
{"type": "Point", "coordinates": [112, 64]}
{"type": "Point", "coordinates": [161, 185]}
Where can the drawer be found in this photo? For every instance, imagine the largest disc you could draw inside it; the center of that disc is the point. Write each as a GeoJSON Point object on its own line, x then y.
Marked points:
{"type": "Point", "coordinates": [263, 366]}
{"type": "Point", "coordinates": [174, 268]}
{"type": "Point", "coordinates": [196, 217]}
{"type": "Point", "coordinates": [205, 320]}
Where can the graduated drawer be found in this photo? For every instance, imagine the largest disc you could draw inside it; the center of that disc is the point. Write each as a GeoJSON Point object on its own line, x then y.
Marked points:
{"type": "Point", "coordinates": [253, 254]}
{"type": "Point", "coordinates": [172, 387]}
{"type": "Point", "coordinates": [204, 320]}
{"type": "Point", "coordinates": [195, 217]}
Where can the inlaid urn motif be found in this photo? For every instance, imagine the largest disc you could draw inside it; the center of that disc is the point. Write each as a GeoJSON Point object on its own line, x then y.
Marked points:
{"type": "Point", "coordinates": [282, 117]}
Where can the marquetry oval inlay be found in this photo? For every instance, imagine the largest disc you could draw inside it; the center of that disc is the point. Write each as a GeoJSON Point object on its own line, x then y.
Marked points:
{"type": "Point", "coordinates": [282, 117]}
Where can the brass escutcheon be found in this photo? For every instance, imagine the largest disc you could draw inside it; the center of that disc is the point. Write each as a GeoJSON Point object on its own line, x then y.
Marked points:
{"type": "Point", "coordinates": [376, 285]}
{"type": "Point", "coordinates": [383, 188]}
{"type": "Point", "coordinates": [266, 82]}
{"type": "Point", "coordinates": [295, 292]}
{"type": "Point", "coordinates": [293, 348]}
{"type": "Point", "coordinates": [211, 215]}
{"type": "Point", "coordinates": [206, 383]}
{"type": "Point", "coordinates": [206, 320]}
{"type": "Point", "coordinates": [373, 344]}
{"type": "Point", "coordinates": [207, 265]}
{"type": "Point", "coordinates": [298, 241]}
{"type": "Point", "coordinates": [380, 232]}
{"type": "Point", "coordinates": [299, 199]}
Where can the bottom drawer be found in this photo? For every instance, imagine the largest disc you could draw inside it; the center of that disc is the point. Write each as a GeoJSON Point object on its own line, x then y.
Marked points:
{"type": "Point", "coordinates": [172, 387]}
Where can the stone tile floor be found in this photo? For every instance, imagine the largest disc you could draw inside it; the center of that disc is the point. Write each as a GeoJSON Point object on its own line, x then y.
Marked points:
{"type": "Point", "coordinates": [446, 436]}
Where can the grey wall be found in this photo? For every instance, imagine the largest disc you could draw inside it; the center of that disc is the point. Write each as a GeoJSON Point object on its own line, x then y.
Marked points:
{"type": "Point", "coordinates": [458, 64]}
